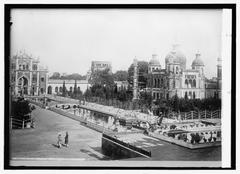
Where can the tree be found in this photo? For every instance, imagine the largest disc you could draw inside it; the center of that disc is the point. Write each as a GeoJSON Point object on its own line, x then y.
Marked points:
{"type": "Point", "coordinates": [75, 91]}
{"type": "Point", "coordinates": [64, 90]}
{"type": "Point", "coordinates": [120, 75]}
{"type": "Point", "coordinates": [142, 74]}
{"type": "Point", "coordinates": [102, 78]}
{"type": "Point", "coordinates": [20, 108]}
{"type": "Point", "coordinates": [56, 75]}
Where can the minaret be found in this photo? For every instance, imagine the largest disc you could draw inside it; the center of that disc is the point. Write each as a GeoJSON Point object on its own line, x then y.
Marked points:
{"type": "Point", "coordinates": [135, 80]}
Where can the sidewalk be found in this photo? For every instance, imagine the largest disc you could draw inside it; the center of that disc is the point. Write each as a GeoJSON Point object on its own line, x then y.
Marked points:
{"type": "Point", "coordinates": [41, 142]}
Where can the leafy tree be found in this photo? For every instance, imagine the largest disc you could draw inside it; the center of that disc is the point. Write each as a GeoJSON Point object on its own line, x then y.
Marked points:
{"type": "Point", "coordinates": [20, 108]}
{"type": "Point", "coordinates": [64, 90]}
{"type": "Point", "coordinates": [120, 75]}
{"type": "Point", "coordinates": [75, 90]}
{"type": "Point", "coordinates": [102, 78]}
{"type": "Point", "coordinates": [56, 75]}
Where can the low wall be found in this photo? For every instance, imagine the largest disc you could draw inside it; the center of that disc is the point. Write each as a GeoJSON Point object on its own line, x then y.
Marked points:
{"type": "Point", "coordinates": [81, 120]}
{"type": "Point", "coordinates": [117, 149]}
{"type": "Point", "coordinates": [37, 103]}
{"type": "Point", "coordinates": [182, 143]}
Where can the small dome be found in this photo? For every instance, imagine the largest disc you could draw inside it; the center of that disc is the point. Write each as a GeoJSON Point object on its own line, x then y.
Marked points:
{"type": "Point", "coordinates": [154, 60]}
{"type": "Point", "coordinates": [176, 56]}
{"type": "Point", "coordinates": [198, 61]}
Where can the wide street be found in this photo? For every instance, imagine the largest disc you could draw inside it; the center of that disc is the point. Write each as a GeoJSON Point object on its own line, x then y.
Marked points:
{"type": "Point", "coordinates": [40, 143]}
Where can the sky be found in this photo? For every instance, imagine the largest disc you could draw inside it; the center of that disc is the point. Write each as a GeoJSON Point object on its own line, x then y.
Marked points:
{"type": "Point", "coordinates": [67, 40]}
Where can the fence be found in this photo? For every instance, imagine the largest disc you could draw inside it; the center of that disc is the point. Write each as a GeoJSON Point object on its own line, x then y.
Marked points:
{"type": "Point", "coordinates": [16, 123]}
{"type": "Point", "coordinates": [192, 115]}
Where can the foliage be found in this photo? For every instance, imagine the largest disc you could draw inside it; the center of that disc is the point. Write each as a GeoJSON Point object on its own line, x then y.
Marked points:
{"type": "Point", "coordinates": [64, 89]}
{"type": "Point", "coordinates": [20, 108]}
{"type": "Point", "coordinates": [74, 76]}
{"type": "Point", "coordinates": [102, 78]}
{"type": "Point", "coordinates": [120, 76]}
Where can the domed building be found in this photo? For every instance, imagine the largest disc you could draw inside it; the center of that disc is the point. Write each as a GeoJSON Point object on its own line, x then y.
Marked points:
{"type": "Point", "coordinates": [154, 64]}
{"type": "Point", "coordinates": [176, 56]}
{"type": "Point", "coordinates": [176, 78]}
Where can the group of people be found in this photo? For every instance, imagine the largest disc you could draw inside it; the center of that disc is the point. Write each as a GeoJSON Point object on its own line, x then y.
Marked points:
{"type": "Point", "coordinates": [60, 141]}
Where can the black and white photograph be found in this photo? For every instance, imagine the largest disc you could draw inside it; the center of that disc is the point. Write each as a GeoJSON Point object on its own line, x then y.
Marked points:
{"type": "Point", "coordinates": [114, 86]}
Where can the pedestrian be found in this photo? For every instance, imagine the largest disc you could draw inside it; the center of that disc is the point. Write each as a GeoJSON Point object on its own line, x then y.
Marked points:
{"type": "Point", "coordinates": [66, 139]}
{"type": "Point", "coordinates": [59, 142]}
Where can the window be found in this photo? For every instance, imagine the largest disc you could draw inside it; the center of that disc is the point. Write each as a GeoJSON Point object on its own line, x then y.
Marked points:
{"type": "Point", "coordinates": [56, 89]}
{"type": "Point", "coordinates": [34, 67]}
{"type": "Point", "coordinates": [60, 89]}
{"type": "Point", "coordinates": [176, 70]}
{"type": "Point", "coordinates": [42, 79]}
{"type": "Point", "coordinates": [157, 95]}
{"type": "Point", "coordinates": [71, 89]}
{"type": "Point", "coordinates": [27, 67]}
{"type": "Point", "coordinates": [41, 90]}
{"type": "Point", "coordinates": [158, 83]}
{"type": "Point", "coordinates": [191, 83]}
{"type": "Point", "coordinates": [194, 83]}
{"type": "Point", "coordinates": [194, 96]}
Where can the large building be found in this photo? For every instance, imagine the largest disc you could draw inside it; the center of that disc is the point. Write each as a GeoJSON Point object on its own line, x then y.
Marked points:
{"type": "Point", "coordinates": [55, 86]}
{"type": "Point", "coordinates": [101, 65]}
{"type": "Point", "coordinates": [176, 79]}
{"type": "Point", "coordinates": [28, 77]}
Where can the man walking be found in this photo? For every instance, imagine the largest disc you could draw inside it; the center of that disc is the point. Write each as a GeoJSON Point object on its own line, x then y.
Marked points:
{"type": "Point", "coordinates": [66, 139]}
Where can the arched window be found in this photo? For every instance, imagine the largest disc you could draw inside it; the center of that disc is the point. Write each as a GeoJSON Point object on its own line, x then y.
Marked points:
{"type": "Point", "coordinates": [190, 83]}
{"type": "Point", "coordinates": [49, 89]}
{"type": "Point", "coordinates": [190, 94]}
{"type": "Point", "coordinates": [155, 83]}
{"type": "Point", "coordinates": [194, 96]}
{"type": "Point", "coordinates": [176, 70]}
{"type": "Point", "coordinates": [186, 96]}
{"type": "Point", "coordinates": [56, 89]}
{"type": "Point", "coordinates": [162, 83]}
{"type": "Point", "coordinates": [158, 83]}
{"type": "Point", "coordinates": [60, 89]}
{"type": "Point", "coordinates": [186, 83]}
{"type": "Point", "coordinates": [194, 83]}
{"type": "Point", "coordinates": [41, 90]}
{"type": "Point", "coordinates": [42, 79]}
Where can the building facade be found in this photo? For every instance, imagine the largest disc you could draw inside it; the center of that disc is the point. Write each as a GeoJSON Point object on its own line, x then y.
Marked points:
{"type": "Point", "coordinates": [55, 86]}
{"type": "Point", "coordinates": [28, 77]}
{"type": "Point", "coordinates": [101, 65]}
{"type": "Point", "coordinates": [176, 79]}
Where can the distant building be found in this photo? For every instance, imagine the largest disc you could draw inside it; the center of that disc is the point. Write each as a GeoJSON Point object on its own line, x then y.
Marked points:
{"type": "Point", "coordinates": [121, 85]}
{"type": "Point", "coordinates": [55, 86]}
{"type": "Point", "coordinates": [176, 79]}
{"type": "Point", "coordinates": [101, 65]}
{"type": "Point", "coordinates": [28, 77]}
{"type": "Point", "coordinates": [211, 88]}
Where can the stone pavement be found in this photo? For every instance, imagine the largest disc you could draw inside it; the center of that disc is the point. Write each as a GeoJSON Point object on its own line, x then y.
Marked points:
{"type": "Point", "coordinates": [40, 143]}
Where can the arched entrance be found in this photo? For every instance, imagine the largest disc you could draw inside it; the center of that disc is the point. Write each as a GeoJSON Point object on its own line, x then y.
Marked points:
{"type": "Point", "coordinates": [23, 85]}
{"type": "Point", "coordinates": [49, 89]}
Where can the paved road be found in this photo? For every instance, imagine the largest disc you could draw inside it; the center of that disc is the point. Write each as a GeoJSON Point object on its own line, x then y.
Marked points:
{"type": "Point", "coordinates": [40, 142]}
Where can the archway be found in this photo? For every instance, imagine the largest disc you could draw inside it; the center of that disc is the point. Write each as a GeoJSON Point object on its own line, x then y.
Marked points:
{"type": "Point", "coordinates": [49, 89]}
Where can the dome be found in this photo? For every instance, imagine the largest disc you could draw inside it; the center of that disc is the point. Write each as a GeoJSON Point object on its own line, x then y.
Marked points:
{"type": "Point", "coordinates": [154, 60]}
{"type": "Point", "coordinates": [198, 61]}
{"type": "Point", "coordinates": [176, 56]}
